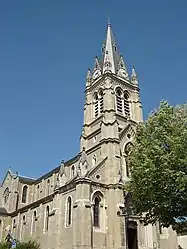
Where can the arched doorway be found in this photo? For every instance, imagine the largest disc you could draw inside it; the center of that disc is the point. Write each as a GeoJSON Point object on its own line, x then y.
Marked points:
{"type": "Point", "coordinates": [132, 235]}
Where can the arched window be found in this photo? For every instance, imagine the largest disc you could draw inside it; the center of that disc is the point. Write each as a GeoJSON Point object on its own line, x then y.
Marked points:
{"type": "Point", "coordinates": [24, 194]}
{"type": "Point", "coordinates": [119, 104]}
{"type": "Point", "coordinates": [22, 231]}
{"type": "Point", "coordinates": [72, 171]}
{"type": "Point", "coordinates": [47, 219]}
{"type": "Point", "coordinates": [126, 104]}
{"type": "Point", "coordinates": [14, 224]}
{"type": "Point", "coordinates": [122, 102]}
{"type": "Point", "coordinates": [6, 195]}
{"type": "Point", "coordinates": [96, 212]}
{"type": "Point", "coordinates": [14, 227]}
{"type": "Point", "coordinates": [127, 150]}
{"type": "Point", "coordinates": [1, 229]}
{"type": "Point", "coordinates": [96, 105]}
{"type": "Point", "coordinates": [101, 102]}
{"type": "Point", "coordinates": [37, 192]}
{"type": "Point", "coordinates": [34, 219]}
{"type": "Point", "coordinates": [69, 212]}
{"type": "Point", "coordinates": [48, 186]}
{"type": "Point", "coordinates": [94, 160]}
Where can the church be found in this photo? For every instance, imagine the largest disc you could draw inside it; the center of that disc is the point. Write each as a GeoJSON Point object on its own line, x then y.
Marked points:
{"type": "Point", "coordinates": [80, 204]}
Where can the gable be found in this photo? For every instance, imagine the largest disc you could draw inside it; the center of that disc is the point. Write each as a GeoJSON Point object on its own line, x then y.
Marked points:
{"type": "Point", "coordinates": [97, 173]}
{"type": "Point", "coordinates": [9, 175]}
{"type": "Point", "coordinates": [127, 135]}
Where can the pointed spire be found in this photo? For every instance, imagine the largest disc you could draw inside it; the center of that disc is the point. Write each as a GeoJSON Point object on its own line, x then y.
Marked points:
{"type": "Point", "coordinates": [110, 52]}
{"type": "Point", "coordinates": [97, 65]}
{"type": "Point", "coordinates": [88, 78]}
{"type": "Point", "coordinates": [111, 61]}
{"type": "Point", "coordinates": [134, 77]}
{"type": "Point", "coordinates": [109, 24]}
{"type": "Point", "coordinates": [122, 70]}
{"type": "Point", "coordinates": [97, 69]}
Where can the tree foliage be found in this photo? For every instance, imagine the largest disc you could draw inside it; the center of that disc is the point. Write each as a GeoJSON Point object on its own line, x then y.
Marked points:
{"type": "Point", "coordinates": [21, 245]}
{"type": "Point", "coordinates": [158, 165]}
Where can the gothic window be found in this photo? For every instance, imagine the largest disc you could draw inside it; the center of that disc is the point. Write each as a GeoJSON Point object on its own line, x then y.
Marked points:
{"type": "Point", "coordinates": [69, 212]}
{"type": "Point", "coordinates": [126, 104]}
{"type": "Point", "coordinates": [122, 102]}
{"type": "Point", "coordinates": [101, 104]}
{"type": "Point", "coordinates": [48, 186]}
{"type": "Point", "coordinates": [96, 212]}
{"type": "Point", "coordinates": [94, 159]}
{"type": "Point", "coordinates": [6, 195]}
{"type": "Point", "coordinates": [14, 224]}
{"type": "Point", "coordinates": [128, 149]}
{"type": "Point", "coordinates": [72, 171]}
{"type": "Point", "coordinates": [24, 194]}
{"type": "Point", "coordinates": [38, 192]}
{"type": "Point", "coordinates": [34, 219]}
{"type": "Point", "coordinates": [47, 219]}
{"type": "Point", "coordinates": [22, 231]}
{"type": "Point", "coordinates": [1, 229]}
{"type": "Point", "coordinates": [119, 102]}
{"type": "Point", "coordinates": [96, 105]}
{"type": "Point", "coordinates": [14, 227]}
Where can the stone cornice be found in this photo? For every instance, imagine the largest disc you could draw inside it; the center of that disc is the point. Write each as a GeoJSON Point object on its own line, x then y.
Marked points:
{"type": "Point", "coordinates": [96, 132]}
{"type": "Point", "coordinates": [71, 185]}
{"type": "Point", "coordinates": [114, 77]}
{"type": "Point", "coordinates": [95, 121]}
{"type": "Point", "coordinates": [110, 140]}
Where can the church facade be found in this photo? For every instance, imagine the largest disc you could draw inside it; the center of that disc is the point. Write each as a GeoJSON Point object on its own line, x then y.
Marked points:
{"type": "Point", "coordinates": [80, 204]}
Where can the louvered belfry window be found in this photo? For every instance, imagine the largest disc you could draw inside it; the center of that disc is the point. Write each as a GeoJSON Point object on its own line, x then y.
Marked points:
{"type": "Point", "coordinates": [96, 105]}
{"type": "Point", "coordinates": [126, 104]}
{"type": "Point", "coordinates": [119, 103]}
{"type": "Point", "coordinates": [101, 102]}
{"type": "Point", "coordinates": [122, 102]}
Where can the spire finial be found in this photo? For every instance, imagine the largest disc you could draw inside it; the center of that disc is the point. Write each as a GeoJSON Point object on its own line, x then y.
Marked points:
{"type": "Point", "coordinates": [134, 78]}
{"type": "Point", "coordinates": [88, 77]}
{"type": "Point", "coordinates": [109, 23]}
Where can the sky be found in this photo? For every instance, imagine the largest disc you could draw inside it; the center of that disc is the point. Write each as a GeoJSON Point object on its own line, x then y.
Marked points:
{"type": "Point", "coordinates": [46, 48]}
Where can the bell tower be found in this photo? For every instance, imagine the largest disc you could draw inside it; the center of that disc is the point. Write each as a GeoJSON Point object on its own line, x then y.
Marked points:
{"type": "Point", "coordinates": [111, 96]}
{"type": "Point", "coordinates": [112, 108]}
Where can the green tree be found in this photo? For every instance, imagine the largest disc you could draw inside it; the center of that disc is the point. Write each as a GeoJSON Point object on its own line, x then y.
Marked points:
{"type": "Point", "coordinates": [158, 164]}
{"type": "Point", "coordinates": [28, 245]}
{"type": "Point", "coordinates": [3, 245]}
{"type": "Point", "coordinates": [22, 245]}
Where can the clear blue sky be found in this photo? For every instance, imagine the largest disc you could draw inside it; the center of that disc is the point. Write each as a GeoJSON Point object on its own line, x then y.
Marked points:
{"type": "Point", "coordinates": [45, 49]}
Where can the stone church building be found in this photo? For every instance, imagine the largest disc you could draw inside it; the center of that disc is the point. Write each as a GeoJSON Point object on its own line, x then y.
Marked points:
{"type": "Point", "coordinates": [80, 204]}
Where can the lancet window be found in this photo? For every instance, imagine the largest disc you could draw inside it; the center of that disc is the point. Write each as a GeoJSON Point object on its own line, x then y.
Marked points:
{"type": "Point", "coordinates": [24, 194]}
{"type": "Point", "coordinates": [69, 211]}
{"type": "Point", "coordinates": [122, 102]}
{"type": "Point", "coordinates": [47, 219]}
{"type": "Point", "coordinates": [98, 211]}
{"type": "Point", "coordinates": [98, 103]}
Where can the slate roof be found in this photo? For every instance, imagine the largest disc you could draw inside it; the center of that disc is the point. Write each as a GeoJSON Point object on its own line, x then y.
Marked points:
{"type": "Point", "coordinates": [3, 211]}
{"type": "Point", "coordinates": [26, 180]}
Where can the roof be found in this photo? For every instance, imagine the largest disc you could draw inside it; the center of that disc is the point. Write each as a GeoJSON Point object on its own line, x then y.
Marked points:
{"type": "Point", "coordinates": [67, 163]}
{"type": "Point", "coordinates": [30, 180]}
{"type": "Point", "coordinates": [27, 180]}
{"type": "Point", "coordinates": [3, 211]}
